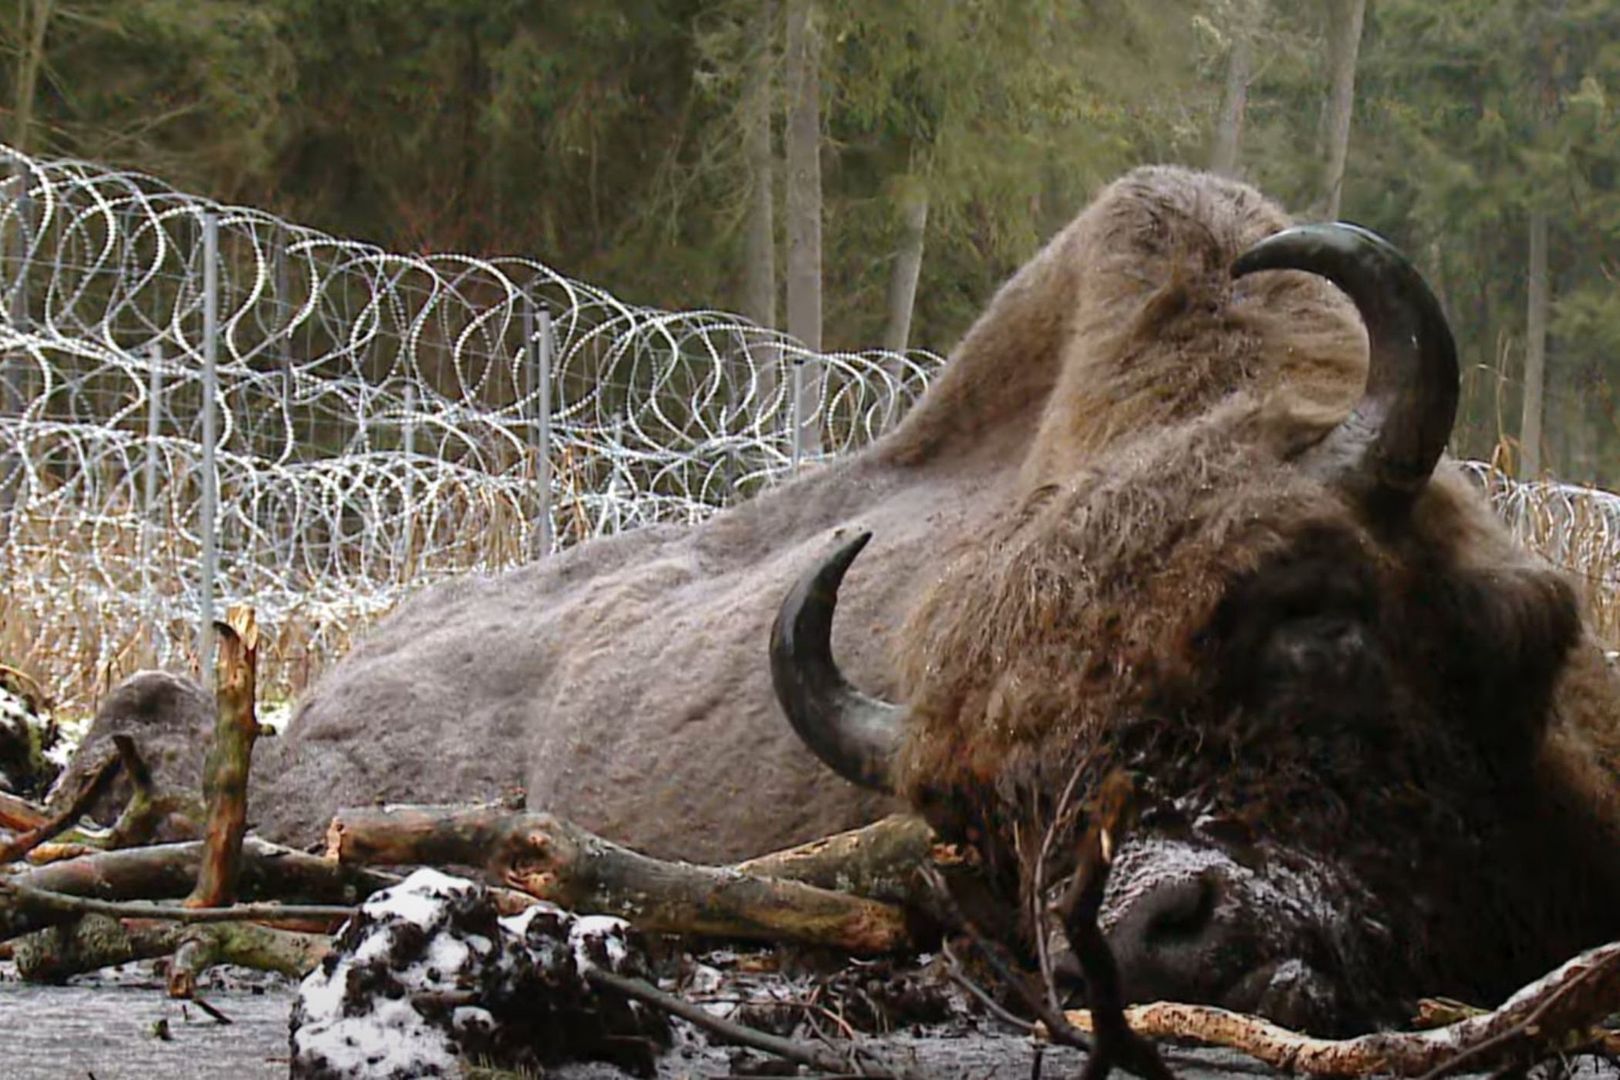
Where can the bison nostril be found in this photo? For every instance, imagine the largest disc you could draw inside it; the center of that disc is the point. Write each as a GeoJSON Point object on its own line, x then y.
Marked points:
{"type": "Point", "coordinates": [1179, 912]}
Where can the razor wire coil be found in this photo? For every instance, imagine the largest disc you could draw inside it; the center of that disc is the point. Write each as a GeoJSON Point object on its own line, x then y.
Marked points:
{"type": "Point", "coordinates": [379, 423]}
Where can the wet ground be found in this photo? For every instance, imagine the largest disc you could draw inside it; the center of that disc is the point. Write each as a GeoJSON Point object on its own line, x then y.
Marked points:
{"type": "Point", "coordinates": [121, 1026]}
{"type": "Point", "coordinates": [125, 1028]}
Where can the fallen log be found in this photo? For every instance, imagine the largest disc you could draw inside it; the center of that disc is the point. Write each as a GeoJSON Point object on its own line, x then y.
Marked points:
{"type": "Point", "coordinates": [98, 941]}
{"type": "Point", "coordinates": [20, 815]}
{"type": "Point", "coordinates": [98, 781]}
{"type": "Point", "coordinates": [168, 871]}
{"type": "Point", "coordinates": [878, 861]}
{"type": "Point", "coordinates": [1555, 1014]}
{"type": "Point", "coordinates": [555, 860]}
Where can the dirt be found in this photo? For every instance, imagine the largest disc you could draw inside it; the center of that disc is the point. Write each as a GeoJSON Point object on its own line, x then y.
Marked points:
{"type": "Point", "coordinates": [107, 1027]}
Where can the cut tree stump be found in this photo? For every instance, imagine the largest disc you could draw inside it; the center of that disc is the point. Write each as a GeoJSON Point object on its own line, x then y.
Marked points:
{"type": "Point", "coordinates": [555, 860]}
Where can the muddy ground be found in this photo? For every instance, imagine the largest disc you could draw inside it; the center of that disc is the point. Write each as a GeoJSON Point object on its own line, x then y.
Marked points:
{"type": "Point", "coordinates": [120, 1026]}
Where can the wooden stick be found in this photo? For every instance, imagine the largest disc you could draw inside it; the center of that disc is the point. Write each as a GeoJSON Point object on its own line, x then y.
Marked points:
{"type": "Point", "coordinates": [170, 870]}
{"type": "Point", "coordinates": [225, 772]}
{"type": "Point", "coordinates": [1077, 911]}
{"type": "Point", "coordinates": [88, 792]}
{"type": "Point", "coordinates": [20, 815]}
{"type": "Point", "coordinates": [556, 860]}
{"type": "Point", "coordinates": [148, 808]}
{"type": "Point", "coordinates": [99, 941]}
{"type": "Point", "coordinates": [727, 1031]}
{"type": "Point", "coordinates": [1556, 1013]}
{"type": "Point", "coordinates": [31, 896]}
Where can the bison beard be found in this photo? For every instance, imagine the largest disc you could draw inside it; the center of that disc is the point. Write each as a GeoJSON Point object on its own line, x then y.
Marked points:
{"type": "Point", "coordinates": [1372, 745]}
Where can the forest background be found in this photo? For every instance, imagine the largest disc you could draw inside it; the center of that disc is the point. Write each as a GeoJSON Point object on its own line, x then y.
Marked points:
{"type": "Point", "coordinates": [863, 173]}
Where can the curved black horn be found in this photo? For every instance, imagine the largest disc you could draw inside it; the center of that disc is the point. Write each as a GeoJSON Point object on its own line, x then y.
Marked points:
{"type": "Point", "coordinates": [852, 733]}
{"type": "Point", "coordinates": [1385, 450]}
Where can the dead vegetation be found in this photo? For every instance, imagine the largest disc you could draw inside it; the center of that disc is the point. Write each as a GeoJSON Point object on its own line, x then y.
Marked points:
{"type": "Point", "coordinates": [75, 900]}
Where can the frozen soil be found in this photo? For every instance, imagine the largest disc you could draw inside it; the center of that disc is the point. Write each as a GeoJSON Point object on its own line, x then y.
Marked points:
{"type": "Point", "coordinates": [108, 1027]}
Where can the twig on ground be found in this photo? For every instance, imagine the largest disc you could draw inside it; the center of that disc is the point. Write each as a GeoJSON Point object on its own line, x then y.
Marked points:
{"type": "Point", "coordinates": [726, 1030]}
{"type": "Point", "coordinates": [1557, 1013]}
{"type": "Point", "coordinates": [1058, 1029]}
{"type": "Point", "coordinates": [92, 787]}
{"type": "Point", "coordinates": [958, 974]}
{"type": "Point", "coordinates": [219, 1017]}
{"type": "Point", "coordinates": [32, 895]}
{"type": "Point", "coordinates": [1077, 911]}
{"type": "Point", "coordinates": [93, 942]}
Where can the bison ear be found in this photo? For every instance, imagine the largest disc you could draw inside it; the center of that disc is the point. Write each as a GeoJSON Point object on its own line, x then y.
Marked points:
{"type": "Point", "coordinates": [1385, 450]}
{"type": "Point", "coordinates": [855, 735]}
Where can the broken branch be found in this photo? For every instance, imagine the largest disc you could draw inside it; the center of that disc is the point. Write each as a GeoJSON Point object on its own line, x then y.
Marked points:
{"type": "Point", "coordinates": [555, 860]}
{"type": "Point", "coordinates": [225, 773]}
{"type": "Point", "coordinates": [1555, 1013]}
{"type": "Point", "coordinates": [88, 792]}
{"type": "Point", "coordinates": [99, 941]}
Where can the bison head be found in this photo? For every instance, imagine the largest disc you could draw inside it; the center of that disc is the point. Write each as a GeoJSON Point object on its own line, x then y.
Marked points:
{"type": "Point", "coordinates": [1346, 698]}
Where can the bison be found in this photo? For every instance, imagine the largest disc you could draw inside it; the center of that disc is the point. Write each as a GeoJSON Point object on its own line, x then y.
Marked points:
{"type": "Point", "coordinates": [1374, 751]}
{"type": "Point", "coordinates": [1177, 505]}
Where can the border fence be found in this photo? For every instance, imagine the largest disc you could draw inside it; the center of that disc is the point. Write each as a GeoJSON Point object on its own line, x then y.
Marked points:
{"type": "Point", "coordinates": [201, 402]}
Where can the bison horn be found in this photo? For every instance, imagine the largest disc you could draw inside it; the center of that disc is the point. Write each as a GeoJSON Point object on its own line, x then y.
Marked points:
{"type": "Point", "coordinates": [1384, 452]}
{"type": "Point", "coordinates": [852, 733]}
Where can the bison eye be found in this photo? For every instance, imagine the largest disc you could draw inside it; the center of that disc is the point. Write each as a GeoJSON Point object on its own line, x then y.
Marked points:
{"type": "Point", "coordinates": [1316, 651]}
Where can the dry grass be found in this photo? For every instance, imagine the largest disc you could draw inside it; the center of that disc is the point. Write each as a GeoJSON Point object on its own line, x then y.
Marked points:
{"type": "Point", "coordinates": [82, 610]}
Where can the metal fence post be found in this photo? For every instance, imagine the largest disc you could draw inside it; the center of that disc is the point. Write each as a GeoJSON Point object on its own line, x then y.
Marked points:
{"type": "Point", "coordinates": [798, 411]}
{"type": "Point", "coordinates": [210, 480]}
{"type": "Point", "coordinates": [154, 411]}
{"type": "Point", "coordinates": [538, 348]}
{"type": "Point", "coordinates": [15, 380]}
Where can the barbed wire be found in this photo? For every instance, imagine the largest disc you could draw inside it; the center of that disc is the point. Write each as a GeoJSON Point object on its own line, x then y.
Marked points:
{"type": "Point", "coordinates": [380, 421]}
{"type": "Point", "coordinates": [379, 416]}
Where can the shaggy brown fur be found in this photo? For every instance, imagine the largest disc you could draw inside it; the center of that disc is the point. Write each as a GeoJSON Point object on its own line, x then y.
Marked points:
{"type": "Point", "coordinates": [1391, 708]}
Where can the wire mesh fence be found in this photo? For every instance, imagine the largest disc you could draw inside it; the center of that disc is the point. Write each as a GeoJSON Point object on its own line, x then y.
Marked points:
{"type": "Point", "coordinates": [202, 402]}
{"type": "Point", "coordinates": [352, 422]}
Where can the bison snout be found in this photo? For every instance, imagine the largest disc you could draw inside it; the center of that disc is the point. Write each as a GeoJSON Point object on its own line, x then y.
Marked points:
{"type": "Point", "coordinates": [1190, 924]}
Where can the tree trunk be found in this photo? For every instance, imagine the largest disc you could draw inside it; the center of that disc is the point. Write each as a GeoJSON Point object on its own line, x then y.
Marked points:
{"type": "Point", "coordinates": [1224, 152]}
{"type": "Point", "coordinates": [759, 238]}
{"type": "Point", "coordinates": [907, 267]}
{"type": "Point", "coordinates": [1344, 43]}
{"type": "Point", "coordinates": [804, 212]}
{"type": "Point", "coordinates": [36, 19]}
{"type": "Point", "coordinates": [759, 242]}
{"type": "Point", "coordinates": [1535, 350]}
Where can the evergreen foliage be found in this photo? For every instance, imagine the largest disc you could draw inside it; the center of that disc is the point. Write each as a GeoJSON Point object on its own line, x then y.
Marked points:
{"type": "Point", "coordinates": [607, 139]}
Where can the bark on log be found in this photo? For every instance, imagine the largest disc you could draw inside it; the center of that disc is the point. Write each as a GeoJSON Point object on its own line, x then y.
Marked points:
{"type": "Point", "coordinates": [225, 773]}
{"type": "Point", "coordinates": [878, 861]}
{"type": "Point", "coordinates": [98, 941]}
{"type": "Point", "coordinates": [88, 792]}
{"type": "Point", "coordinates": [554, 860]}
{"type": "Point", "coordinates": [1558, 1012]}
{"type": "Point", "coordinates": [168, 871]}
{"type": "Point", "coordinates": [20, 815]}
{"type": "Point", "coordinates": [148, 808]}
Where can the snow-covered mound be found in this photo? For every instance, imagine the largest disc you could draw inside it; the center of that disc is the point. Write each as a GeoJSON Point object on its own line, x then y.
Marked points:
{"type": "Point", "coordinates": [428, 975]}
